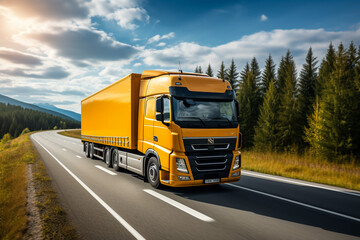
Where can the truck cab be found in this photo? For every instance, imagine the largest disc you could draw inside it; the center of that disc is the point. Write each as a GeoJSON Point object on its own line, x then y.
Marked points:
{"type": "Point", "coordinates": [188, 129]}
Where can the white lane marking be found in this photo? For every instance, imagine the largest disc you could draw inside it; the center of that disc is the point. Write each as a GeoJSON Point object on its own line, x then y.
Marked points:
{"type": "Point", "coordinates": [180, 206]}
{"type": "Point", "coordinates": [64, 149]}
{"type": "Point", "coordinates": [296, 202]}
{"type": "Point", "coordinates": [295, 182]}
{"type": "Point", "coordinates": [105, 170]}
{"type": "Point", "coordinates": [97, 198]}
{"type": "Point", "coordinates": [78, 156]}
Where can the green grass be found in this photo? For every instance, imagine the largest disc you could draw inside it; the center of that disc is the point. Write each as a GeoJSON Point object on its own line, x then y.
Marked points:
{"type": "Point", "coordinates": [306, 167]}
{"type": "Point", "coordinates": [15, 154]}
{"type": "Point", "coordinates": [71, 133]}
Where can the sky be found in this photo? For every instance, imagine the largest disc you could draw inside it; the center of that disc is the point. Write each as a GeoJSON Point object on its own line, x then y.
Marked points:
{"type": "Point", "coordinates": [59, 52]}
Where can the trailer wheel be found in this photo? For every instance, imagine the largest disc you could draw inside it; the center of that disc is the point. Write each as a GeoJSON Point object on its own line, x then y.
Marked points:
{"type": "Point", "coordinates": [107, 157]}
{"type": "Point", "coordinates": [115, 160]}
{"type": "Point", "coordinates": [91, 150]}
{"type": "Point", "coordinates": [87, 152]}
{"type": "Point", "coordinates": [153, 172]}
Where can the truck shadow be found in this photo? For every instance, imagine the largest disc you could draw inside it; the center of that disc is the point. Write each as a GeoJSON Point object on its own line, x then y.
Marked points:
{"type": "Point", "coordinates": [243, 200]}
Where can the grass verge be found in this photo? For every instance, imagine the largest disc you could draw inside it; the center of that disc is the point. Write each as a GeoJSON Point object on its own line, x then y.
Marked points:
{"type": "Point", "coordinates": [308, 168]}
{"type": "Point", "coordinates": [71, 133]}
{"type": "Point", "coordinates": [15, 154]}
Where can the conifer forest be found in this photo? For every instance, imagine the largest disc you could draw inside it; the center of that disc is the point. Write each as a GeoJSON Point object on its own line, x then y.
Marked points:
{"type": "Point", "coordinates": [315, 110]}
{"type": "Point", "coordinates": [15, 119]}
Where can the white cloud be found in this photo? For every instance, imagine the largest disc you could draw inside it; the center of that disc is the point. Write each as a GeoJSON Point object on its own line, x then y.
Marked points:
{"type": "Point", "coordinates": [158, 37]}
{"type": "Point", "coordinates": [126, 17]}
{"type": "Point", "coordinates": [137, 64]}
{"type": "Point", "coordinates": [263, 18]}
{"type": "Point", "coordinates": [161, 44]}
{"type": "Point", "coordinates": [258, 45]}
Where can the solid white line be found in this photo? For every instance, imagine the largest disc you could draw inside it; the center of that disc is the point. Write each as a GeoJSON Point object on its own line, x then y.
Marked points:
{"type": "Point", "coordinates": [295, 182]}
{"type": "Point", "coordinates": [296, 202]}
{"type": "Point", "coordinates": [105, 170]}
{"type": "Point", "coordinates": [180, 206]}
{"type": "Point", "coordinates": [97, 198]}
{"type": "Point", "coordinates": [78, 156]}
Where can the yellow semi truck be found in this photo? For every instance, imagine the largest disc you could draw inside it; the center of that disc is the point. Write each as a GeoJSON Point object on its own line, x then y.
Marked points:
{"type": "Point", "coordinates": [174, 128]}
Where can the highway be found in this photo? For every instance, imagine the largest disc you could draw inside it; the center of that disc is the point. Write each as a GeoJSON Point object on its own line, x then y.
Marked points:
{"type": "Point", "coordinates": [104, 204]}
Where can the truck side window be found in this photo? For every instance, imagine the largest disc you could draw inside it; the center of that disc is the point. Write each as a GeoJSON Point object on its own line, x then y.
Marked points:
{"type": "Point", "coordinates": [166, 109]}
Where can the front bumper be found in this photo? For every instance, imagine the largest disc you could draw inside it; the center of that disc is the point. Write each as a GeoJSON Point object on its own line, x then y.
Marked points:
{"type": "Point", "coordinates": [171, 178]}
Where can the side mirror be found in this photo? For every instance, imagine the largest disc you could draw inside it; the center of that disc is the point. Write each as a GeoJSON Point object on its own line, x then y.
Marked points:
{"type": "Point", "coordinates": [159, 105]}
{"type": "Point", "coordinates": [159, 117]}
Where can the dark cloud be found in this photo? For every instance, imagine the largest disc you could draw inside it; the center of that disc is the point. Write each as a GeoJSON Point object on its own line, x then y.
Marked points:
{"type": "Point", "coordinates": [30, 91]}
{"type": "Point", "coordinates": [85, 45]}
{"type": "Point", "coordinates": [19, 58]}
{"type": "Point", "coordinates": [50, 73]}
{"type": "Point", "coordinates": [5, 81]}
{"type": "Point", "coordinates": [47, 9]}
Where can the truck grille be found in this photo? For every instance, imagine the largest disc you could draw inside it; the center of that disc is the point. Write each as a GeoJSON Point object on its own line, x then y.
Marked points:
{"type": "Point", "coordinates": [209, 160]}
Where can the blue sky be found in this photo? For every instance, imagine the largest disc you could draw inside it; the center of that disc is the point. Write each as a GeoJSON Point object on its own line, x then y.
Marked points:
{"type": "Point", "coordinates": [65, 50]}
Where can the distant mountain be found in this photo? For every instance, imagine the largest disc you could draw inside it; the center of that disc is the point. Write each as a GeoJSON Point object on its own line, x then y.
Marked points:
{"type": "Point", "coordinates": [68, 113]}
{"type": "Point", "coordinates": [8, 100]}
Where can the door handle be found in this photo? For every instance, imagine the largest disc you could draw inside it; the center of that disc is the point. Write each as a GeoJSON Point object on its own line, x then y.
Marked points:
{"type": "Point", "coordinates": [155, 138]}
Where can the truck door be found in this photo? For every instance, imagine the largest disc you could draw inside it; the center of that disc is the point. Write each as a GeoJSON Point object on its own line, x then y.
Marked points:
{"type": "Point", "coordinates": [149, 124]}
{"type": "Point", "coordinates": [162, 135]}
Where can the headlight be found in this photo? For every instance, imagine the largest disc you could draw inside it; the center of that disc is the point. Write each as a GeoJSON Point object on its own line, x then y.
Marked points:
{"type": "Point", "coordinates": [237, 162]}
{"type": "Point", "coordinates": [181, 165]}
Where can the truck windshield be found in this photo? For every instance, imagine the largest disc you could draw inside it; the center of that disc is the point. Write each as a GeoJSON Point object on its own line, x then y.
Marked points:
{"type": "Point", "coordinates": [206, 113]}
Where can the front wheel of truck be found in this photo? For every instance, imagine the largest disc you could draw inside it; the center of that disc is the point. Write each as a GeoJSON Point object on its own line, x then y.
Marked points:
{"type": "Point", "coordinates": [153, 172]}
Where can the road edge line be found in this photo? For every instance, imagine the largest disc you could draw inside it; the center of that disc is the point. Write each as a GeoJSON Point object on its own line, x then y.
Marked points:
{"type": "Point", "coordinates": [296, 202]}
{"type": "Point", "coordinates": [122, 221]}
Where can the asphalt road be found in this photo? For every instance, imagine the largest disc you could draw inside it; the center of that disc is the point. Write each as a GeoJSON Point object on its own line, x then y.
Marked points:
{"type": "Point", "coordinates": [104, 204]}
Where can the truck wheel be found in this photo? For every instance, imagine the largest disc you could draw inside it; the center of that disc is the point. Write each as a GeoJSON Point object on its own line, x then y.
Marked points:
{"type": "Point", "coordinates": [153, 172]}
{"type": "Point", "coordinates": [87, 152]}
{"type": "Point", "coordinates": [106, 154]}
{"type": "Point", "coordinates": [115, 160]}
{"type": "Point", "coordinates": [107, 158]}
{"type": "Point", "coordinates": [91, 148]}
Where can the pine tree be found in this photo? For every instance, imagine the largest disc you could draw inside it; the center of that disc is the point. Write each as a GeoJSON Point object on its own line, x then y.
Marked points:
{"type": "Point", "coordinates": [200, 70]}
{"type": "Point", "coordinates": [196, 69]}
{"type": "Point", "coordinates": [249, 107]}
{"type": "Point", "coordinates": [307, 84]}
{"type": "Point", "coordinates": [222, 72]}
{"type": "Point", "coordinates": [244, 73]}
{"type": "Point", "coordinates": [326, 68]}
{"type": "Point", "coordinates": [268, 75]}
{"type": "Point", "coordinates": [266, 133]}
{"type": "Point", "coordinates": [209, 71]}
{"type": "Point", "coordinates": [254, 68]}
{"type": "Point", "coordinates": [232, 75]}
{"type": "Point", "coordinates": [283, 71]}
{"type": "Point", "coordinates": [288, 121]}
{"type": "Point", "coordinates": [336, 128]}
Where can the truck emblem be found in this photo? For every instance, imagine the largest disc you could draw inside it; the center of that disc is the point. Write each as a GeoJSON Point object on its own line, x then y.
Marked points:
{"type": "Point", "coordinates": [210, 141]}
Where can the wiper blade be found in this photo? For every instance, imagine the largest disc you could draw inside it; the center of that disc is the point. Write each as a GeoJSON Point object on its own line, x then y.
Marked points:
{"type": "Point", "coordinates": [197, 119]}
{"type": "Point", "coordinates": [222, 118]}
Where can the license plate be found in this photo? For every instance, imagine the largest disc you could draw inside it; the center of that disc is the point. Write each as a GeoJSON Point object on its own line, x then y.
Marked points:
{"type": "Point", "coordinates": [215, 180]}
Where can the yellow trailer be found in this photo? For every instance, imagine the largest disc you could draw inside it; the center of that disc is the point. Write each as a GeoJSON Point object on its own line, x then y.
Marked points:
{"type": "Point", "coordinates": [173, 128]}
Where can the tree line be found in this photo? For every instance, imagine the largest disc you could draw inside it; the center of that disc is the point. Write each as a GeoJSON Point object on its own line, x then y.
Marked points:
{"type": "Point", "coordinates": [316, 111]}
{"type": "Point", "coordinates": [14, 119]}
